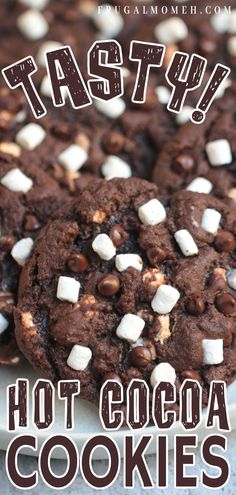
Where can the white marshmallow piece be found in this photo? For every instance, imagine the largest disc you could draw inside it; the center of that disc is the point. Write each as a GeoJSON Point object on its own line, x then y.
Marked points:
{"type": "Point", "coordinates": [186, 242]}
{"type": "Point", "coordinates": [200, 185]}
{"type": "Point", "coordinates": [231, 46]}
{"type": "Point", "coordinates": [170, 31]}
{"type": "Point", "coordinates": [152, 212]}
{"type": "Point", "coordinates": [46, 88]}
{"type": "Point", "coordinates": [231, 279]}
{"type": "Point", "coordinates": [222, 88]}
{"type": "Point", "coordinates": [108, 21]}
{"type": "Point", "coordinates": [165, 299]}
{"type": "Point", "coordinates": [163, 94]}
{"type": "Point", "coordinates": [79, 357]}
{"type": "Point", "coordinates": [68, 289]}
{"type": "Point", "coordinates": [104, 247]}
{"type": "Point", "coordinates": [219, 152]}
{"type": "Point", "coordinates": [30, 136]}
{"type": "Point", "coordinates": [16, 181]}
{"type": "Point", "coordinates": [32, 24]}
{"type": "Point", "coordinates": [232, 22]}
{"type": "Point", "coordinates": [210, 220]}
{"type": "Point", "coordinates": [220, 22]}
{"type": "Point", "coordinates": [163, 372]}
{"type": "Point", "coordinates": [47, 46]}
{"type": "Point", "coordinates": [213, 351]}
{"type": "Point", "coordinates": [111, 108]}
{"type": "Point", "coordinates": [35, 4]}
{"type": "Point", "coordinates": [4, 323]}
{"type": "Point", "coordinates": [130, 327]}
{"type": "Point", "coordinates": [73, 158]}
{"type": "Point", "coordinates": [124, 261]}
{"type": "Point", "coordinates": [21, 250]}
{"type": "Point", "coordinates": [115, 167]}
{"type": "Point", "coordinates": [184, 116]}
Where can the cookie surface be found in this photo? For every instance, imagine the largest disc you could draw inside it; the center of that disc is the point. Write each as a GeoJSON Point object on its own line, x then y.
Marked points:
{"type": "Point", "coordinates": [28, 198]}
{"type": "Point", "coordinates": [115, 287]}
{"type": "Point", "coordinates": [206, 150]}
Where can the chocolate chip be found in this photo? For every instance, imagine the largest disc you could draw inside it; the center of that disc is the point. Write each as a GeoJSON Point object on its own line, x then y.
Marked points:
{"type": "Point", "coordinates": [112, 376]}
{"type": "Point", "coordinates": [78, 263]}
{"type": "Point", "coordinates": [6, 243]}
{"type": "Point", "coordinates": [225, 303]}
{"type": "Point", "coordinates": [61, 131]}
{"type": "Point", "coordinates": [191, 375]}
{"type": "Point", "coordinates": [195, 305]}
{"type": "Point", "coordinates": [216, 281]}
{"type": "Point", "coordinates": [183, 163]}
{"type": "Point", "coordinates": [118, 235]}
{"type": "Point", "coordinates": [31, 223]}
{"type": "Point", "coordinates": [156, 256]}
{"type": "Point", "coordinates": [113, 142]}
{"type": "Point", "coordinates": [225, 241]}
{"type": "Point", "coordinates": [140, 356]}
{"type": "Point", "coordinates": [207, 47]}
{"type": "Point", "coordinates": [109, 285]}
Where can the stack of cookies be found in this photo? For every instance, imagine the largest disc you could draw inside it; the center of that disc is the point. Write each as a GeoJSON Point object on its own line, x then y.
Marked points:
{"type": "Point", "coordinates": [118, 221]}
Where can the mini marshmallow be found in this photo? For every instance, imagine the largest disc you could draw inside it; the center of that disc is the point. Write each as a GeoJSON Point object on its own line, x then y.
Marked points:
{"type": "Point", "coordinates": [30, 136]}
{"type": "Point", "coordinates": [186, 242]}
{"type": "Point", "coordinates": [220, 22]}
{"type": "Point", "coordinates": [210, 220]}
{"type": "Point", "coordinates": [68, 289]}
{"type": "Point", "coordinates": [163, 372]}
{"type": "Point", "coordinates": [213, 351]}
{"type": "Point", "coordinates": [165, 299]}
{"type": "Point", "coordinates": [4, 323]}
{"type": "Point", "coordinates": [231, 46]}
{"type": "Point", "coordinates": [232, 22]}
{"type": "Point", "coordinates": [152, 212]}
{"type": "Point", "coordinates": [46, 88]}
{"type": "Point", "coordinates": [184, 116]}
{"type": "Point", "coordinates": [104, 247]}
{"type": "Point", "coordinates": [124, 261]}
{"type": "Point", "coordinates": [47, 46]}
{"type": "Point", "coordinates": [73, 157]}
{"type": "Point", "coordinates": [35, 4]}
{"type": "Point", "coordinates": [108, 21]}
{"type": "Point", "coordinates": [200, 185]}
{"type": "Point", "coordinates": [130, 327]}
{"type": "Point", "coordinates": [16, 181]}
{"type": "Point", "coordinates": [170, 31]}
{"type": "Point", "coordinates": [21, 250]}
{"type": "Point", "coordinates": [32, 25]}
{"type": "Point", "coordinates": [219, 152]}
{"type": "Point", "coordinates": [79, 357]}
{"type": "Point", "coordinates": [231, 279]}
{"type": "Point", "coordinates": [115, 167]}
{"type": "Point", "coordinates": [223, 86]}
{"type": "Point", "coordinates": [163, 94]}
{"type": "Point", "coordinates": [125, 72]}
{"type": "Point", "coordinates": [111, 108]}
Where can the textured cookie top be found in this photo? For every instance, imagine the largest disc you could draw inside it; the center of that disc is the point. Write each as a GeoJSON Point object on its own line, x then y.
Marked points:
{"type": "Point", "coordinates": [205, 151]}
{"type": "Point", "coordinates": [121, 282]}
{"type": "Point", "coordinates": [28, 198]}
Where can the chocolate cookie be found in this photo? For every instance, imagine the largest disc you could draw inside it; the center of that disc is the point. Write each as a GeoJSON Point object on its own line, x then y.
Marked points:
{"type": "Point", "coordinates": [202, 157]}
{"type": "Point", "coordinates": [28, 198]}
{"type": "Point", "coordinates": [118, 138]}
{"type": "Point", "coordinates": [122, 285]}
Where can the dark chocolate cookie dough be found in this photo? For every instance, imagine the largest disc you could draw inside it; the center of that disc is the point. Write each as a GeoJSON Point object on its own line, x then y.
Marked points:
{"type": "Point", "coordinates": [206, 151]}
{"type": "Point", "coordinates": [122, 285]}
{"type": "Point", "coordinates": [28, 198]}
